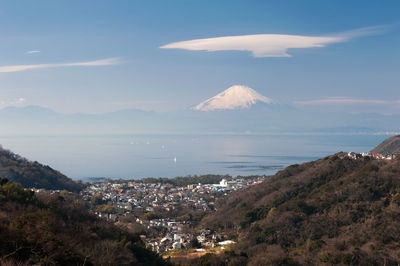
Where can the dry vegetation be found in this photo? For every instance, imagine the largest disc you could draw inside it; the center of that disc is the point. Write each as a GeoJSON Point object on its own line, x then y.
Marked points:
{"type": "Point", "coordinates": [33, 174]}
{"type": "Point", "coordinates": [57, 230]}
{"type": "Point", "coordinates": [331, 211]}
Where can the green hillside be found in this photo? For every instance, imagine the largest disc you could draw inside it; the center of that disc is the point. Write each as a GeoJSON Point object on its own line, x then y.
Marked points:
{"type": "Point", "coordinates": [56, 230]}
{"type": "Point", "coordinates": [331, 211]}
{"type": "Point", "coordinates": [33, 174]}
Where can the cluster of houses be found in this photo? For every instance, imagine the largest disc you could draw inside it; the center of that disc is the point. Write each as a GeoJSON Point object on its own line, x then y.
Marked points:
{"type": "Point", "coordinates": [205, 239]}
{"type": "Point", "coordinates": [136, 199]}
{"type": "Point", "coordinates": [353, 155]}
{"type": "Point", "coordinates": [176, 237]}
{"type": "Point", "coordinates": [179, 236]}
{"type": "Point", "coordinates": [139, 198]}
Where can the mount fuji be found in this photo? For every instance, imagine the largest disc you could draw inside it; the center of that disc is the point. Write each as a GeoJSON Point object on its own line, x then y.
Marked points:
{"type": "Point", "coordinates": [239, 109]}
{"type": "Point", "coordinates": [235, 97]}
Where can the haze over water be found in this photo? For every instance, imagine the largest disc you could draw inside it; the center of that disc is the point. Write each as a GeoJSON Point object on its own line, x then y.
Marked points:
{"type": "Point", "coordinates": [138, 156]}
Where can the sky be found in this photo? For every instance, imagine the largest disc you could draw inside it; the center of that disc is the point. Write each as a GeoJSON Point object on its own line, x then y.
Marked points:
{"type": "Point", "coordinates": [102, 56]}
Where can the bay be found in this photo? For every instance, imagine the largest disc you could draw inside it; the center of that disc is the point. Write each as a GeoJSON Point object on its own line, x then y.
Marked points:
{"type": "Point", "coordinates": [138, 156]}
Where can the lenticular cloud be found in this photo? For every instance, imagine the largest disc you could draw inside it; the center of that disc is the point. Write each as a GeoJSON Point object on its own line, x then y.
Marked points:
{"type": "Point", "coordinates": [260, 45]}
{"type": "Point", "coordinates": [268, 45]}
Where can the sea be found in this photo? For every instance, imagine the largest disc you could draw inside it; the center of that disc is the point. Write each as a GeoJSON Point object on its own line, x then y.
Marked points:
{"type": "Point", "coordinates": [138, 156]}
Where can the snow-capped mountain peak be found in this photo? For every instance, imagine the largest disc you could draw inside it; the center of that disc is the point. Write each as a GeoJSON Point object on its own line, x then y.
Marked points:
{"type": "Point", "coordinates": [235, 97]}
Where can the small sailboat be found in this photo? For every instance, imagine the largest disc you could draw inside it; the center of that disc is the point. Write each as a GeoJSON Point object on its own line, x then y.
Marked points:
{"type": "Point", "coordinates": [174, 159]}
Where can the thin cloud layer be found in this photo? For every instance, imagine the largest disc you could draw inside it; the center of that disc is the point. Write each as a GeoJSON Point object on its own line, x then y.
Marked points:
{"type": "Point", "coordinates": [344, 101]}
{"type": "Point", "coordinates": [14, 102]}
{"type": "Point", "coordinates": [268, 45]}
{"type": "Point", "coordinates": [33, 52]}
{"type": "Point", "coordinates": [101, 62]}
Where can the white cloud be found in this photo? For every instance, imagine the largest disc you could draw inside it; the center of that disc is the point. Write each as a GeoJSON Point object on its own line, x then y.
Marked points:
{"type": "Point", "coordinates": [13, 102]}
{"type": "Point", "coordinates": [20, 101]}
{"type": "Point", "coordinates": [269, 45]}
{"type": "Point", "coordinates": [101, 62]}
{"type": "Point", "coordinates": [344, 101]}
{"type": "Point", "coordinates": [32, 52]}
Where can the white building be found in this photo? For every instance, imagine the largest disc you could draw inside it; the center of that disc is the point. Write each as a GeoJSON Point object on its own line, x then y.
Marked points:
{"type": "Point", "coordinates": [176, 245]}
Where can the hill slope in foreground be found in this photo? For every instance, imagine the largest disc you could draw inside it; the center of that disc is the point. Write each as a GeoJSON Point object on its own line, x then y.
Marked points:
{"type": "Point", "coordinates": [389, 146]}
{"type": "Point", "coordinates": [44, 229]}
{"type": "Point", "coordinates": [331, 211]}
{"type": "Point", "coordinates": [33, 174]}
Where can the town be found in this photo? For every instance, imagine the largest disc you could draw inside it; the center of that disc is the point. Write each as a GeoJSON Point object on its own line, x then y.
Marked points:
{"type": "Point", "coordinates": [165, 213]}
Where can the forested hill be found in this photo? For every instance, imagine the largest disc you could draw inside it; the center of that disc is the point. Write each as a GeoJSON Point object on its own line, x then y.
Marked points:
{"type": "Point", "coordinates": [33, 174]}
{"type": "Point", "coordinates": [44, 229]}
{"type": "Point", "coordinates": [334, 210]}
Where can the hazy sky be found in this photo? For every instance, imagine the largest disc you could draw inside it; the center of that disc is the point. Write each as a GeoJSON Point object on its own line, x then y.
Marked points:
{"type": "Point", "coordinates": [99, 56]}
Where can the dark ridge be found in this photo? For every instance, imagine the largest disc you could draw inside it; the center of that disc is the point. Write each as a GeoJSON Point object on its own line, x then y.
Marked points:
{"type": "Point", "coordinates": [45, 229]}
{"type": "Point", "coordinates": [33, 174]}
{"type": "Point", "coordinates": [335, 210]}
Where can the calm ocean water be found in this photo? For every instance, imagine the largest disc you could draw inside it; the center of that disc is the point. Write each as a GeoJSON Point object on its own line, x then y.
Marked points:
{"type": "Point", "coordinates": [137, 156]}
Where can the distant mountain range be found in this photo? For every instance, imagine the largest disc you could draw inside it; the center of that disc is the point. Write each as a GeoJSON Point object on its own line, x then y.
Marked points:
{"type": "Point", "coordinates": [239, 109]}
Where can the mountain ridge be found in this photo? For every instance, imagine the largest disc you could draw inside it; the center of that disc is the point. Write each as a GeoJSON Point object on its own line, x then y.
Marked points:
{"type": "Point", "coordinates": [260, 118]}
{"type": "Point", "coordinates": [389, 146]}
{"type": "Point", "coordinates": [56, 229]}
{"type": "Point", "coordinates": [33, 174]}
{"type": "Point", "coordinates": [335, 210]}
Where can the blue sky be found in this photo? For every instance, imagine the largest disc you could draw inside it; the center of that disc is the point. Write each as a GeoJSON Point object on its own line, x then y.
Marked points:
{"type": "Point", "coordinates": [356, 74]}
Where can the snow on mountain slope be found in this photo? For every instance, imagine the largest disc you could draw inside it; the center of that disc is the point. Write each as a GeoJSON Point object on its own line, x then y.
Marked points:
{"type": "Point", "coordinates": [235, 97]}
